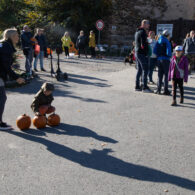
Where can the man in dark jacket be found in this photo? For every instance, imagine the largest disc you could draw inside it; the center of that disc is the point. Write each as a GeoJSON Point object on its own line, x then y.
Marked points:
{"type": "Point", "coordinates": [189, 48]}
{"type": "Point", "coordinates": [6, 59]}
{"type": "Point", "coordinates": [141, 53]}
{"type": "Point", "coordinates": [163, 51]}
{"type": "Point", "coordinates": [27, 46]}
{"type": "Point", "coordinates": [40, 37]}
{"type": "Point", "coordinates": [81, 43]}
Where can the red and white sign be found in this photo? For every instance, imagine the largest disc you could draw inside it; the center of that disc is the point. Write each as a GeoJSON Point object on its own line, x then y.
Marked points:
{"type": "Point", "coordinates": [100, 25]}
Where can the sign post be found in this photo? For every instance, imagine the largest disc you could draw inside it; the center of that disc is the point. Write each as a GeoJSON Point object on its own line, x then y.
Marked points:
{"type": "Point", "coordinates": [100, 27]}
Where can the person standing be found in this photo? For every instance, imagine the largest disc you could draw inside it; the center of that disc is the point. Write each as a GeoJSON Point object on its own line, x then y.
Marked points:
{"type": "Point", "coordinates": [81, 43]}
{"type": "Point", "coordinates": [27, 46]}
{"type": "Point", "coordinates": [153, 57]}
{"type": "Point", "coordinates": [163, 51]}
{"type": "Point", "coordinates": [42, 43]}
{"type": "Point", "coordinates": [66, 41]}
{"type": "Point", "coordinates": [7, 49]}
{"type": "Point", "coordinates": [189, 49]}
{"type": "Point", "coordinates": [141, 53]}
{"type": "Point", "coordinates": [178, 73]}
{"type": "Point", "coordinates": [92, 44]}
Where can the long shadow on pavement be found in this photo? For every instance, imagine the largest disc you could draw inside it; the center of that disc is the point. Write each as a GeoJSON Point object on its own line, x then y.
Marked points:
{"type": "Point", "coordinates": [101, 160]}
{"type": "Point", "coordinates": [71, 130]}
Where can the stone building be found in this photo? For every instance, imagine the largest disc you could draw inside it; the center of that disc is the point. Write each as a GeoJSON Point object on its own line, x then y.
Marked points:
{"type": "Point", "coordinates": [127, 15]}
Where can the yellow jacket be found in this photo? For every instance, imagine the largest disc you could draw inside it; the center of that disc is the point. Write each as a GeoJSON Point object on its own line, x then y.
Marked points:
{"type": "Point", "coordinates": [66, 41]}
{"type": "Point", "coordinates": [92, 41]}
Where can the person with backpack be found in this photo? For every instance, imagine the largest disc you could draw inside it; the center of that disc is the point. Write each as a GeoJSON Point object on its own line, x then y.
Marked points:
{"type": "Point", "coordinates": [178, 73]}
{"type": "Point", "coordinates": [81, 43]}
{"type": "Point", "coordinates": [163, 52]}
{"type": "Point", "coordinates": [141, 54]}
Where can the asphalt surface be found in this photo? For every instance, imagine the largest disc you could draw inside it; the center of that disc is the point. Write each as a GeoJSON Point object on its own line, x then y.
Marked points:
{"type": "Point", "coordinates": [112, 140]}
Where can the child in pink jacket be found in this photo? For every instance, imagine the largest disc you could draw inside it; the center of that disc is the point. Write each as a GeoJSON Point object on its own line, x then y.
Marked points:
{"type": "Point", "coordinates": [178, 73]}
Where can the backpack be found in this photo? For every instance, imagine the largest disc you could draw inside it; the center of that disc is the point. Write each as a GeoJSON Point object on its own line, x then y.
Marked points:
{"type": "Point", "coordinates": [162, 49]}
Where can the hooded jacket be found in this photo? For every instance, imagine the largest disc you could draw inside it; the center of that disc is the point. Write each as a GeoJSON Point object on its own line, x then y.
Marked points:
{"type": "Point", "coordinates": [41, 99]}
{"type": "Point", "coordinates": [183, 65]}
{"type": "Point", "coordinates": [168, 53]}
{"type": "Point", "coordinates": [141, 43]}
{"type": "Point", "coordinates": [7, 51]}
{"type": "Point", "coordinates": [66, 41]}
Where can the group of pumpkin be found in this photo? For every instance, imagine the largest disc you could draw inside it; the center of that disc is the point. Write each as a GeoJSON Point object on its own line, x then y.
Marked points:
{"type": "Point", "coordinates": [23, 122]}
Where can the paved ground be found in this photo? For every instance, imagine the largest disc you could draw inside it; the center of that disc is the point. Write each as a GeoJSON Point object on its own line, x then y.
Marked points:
{"type": "Point", "coordinates": [112, 140]}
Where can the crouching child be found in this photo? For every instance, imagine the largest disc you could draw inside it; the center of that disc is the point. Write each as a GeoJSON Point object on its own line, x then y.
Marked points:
{"type": "Point", "coordinates": [178, 73]}
{"type": "Point", "coordinates": [41, 104]}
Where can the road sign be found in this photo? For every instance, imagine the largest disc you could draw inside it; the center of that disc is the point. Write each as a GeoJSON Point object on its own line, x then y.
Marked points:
{"type": "Point", "coordinates": [100, 25]}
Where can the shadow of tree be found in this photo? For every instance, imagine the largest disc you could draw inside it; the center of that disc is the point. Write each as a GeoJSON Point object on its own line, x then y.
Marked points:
{"type": "Point", "coordinates": [101, 160]}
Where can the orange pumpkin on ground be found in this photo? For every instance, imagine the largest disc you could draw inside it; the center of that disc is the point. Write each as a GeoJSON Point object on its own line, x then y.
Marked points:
{"type": "Point", "coordinates": [23, 122]}
{"type": "Point", "coordinates": [53, 120]}
{"type": "Point", "coordinates": [40, 122]}
{"type": "Point", "coordinates": [43, 109]}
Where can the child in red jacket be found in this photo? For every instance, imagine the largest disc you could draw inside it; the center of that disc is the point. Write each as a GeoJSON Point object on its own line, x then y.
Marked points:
{"type": "Point", "coordinates": [178, 73]}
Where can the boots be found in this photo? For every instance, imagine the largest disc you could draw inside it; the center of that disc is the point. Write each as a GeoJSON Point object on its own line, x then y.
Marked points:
{"type": "Point", "coordinates": [174, 103]}
{"type": "Point", "coordinates": [181, 100]}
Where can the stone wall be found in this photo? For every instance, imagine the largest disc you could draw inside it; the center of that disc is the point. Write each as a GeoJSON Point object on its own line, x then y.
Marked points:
{"type": "Point", "coordinates": [127, 15]}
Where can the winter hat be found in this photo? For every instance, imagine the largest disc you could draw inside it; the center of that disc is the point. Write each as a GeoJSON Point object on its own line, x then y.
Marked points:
{"type": "Point", "coordinates": [166, 33]}
{"type": "Point", "coordinates": [179, 48]}
{"type": "Point", "coordinates": [47, 87]}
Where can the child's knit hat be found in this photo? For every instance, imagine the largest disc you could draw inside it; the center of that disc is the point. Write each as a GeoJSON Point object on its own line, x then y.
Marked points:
{"type": "Point", "coordinates": [47, 87]}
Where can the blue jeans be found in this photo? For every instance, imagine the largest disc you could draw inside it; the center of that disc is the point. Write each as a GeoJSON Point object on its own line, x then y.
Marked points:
{"type": "Point", "coordinates": [142, 69]}
{"type": "Point", "coordinates": [152, 65]}
{"type": "Point", "coordinates": [40, 57]}
{"type": "Point", "coordinates": [163, 70]}
{"type": "Point", "coordinates": [3, 99]}
{"type": "Point", "coordinates": [29, 59]}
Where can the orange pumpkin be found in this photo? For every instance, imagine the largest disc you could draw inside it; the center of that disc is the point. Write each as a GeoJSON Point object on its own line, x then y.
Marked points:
{"type": "Point", "coordinates": [43, 110]}
{"type": "Point", "coordinates": [23, 122]}
{"type": "Point", "coordinates": [39, 122]}
{"type": "Point", "coordinates": [53, 120]}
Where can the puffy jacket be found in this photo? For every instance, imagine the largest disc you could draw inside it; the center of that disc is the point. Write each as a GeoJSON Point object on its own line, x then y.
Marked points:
{"type": "Point", "coordinates": [141, 43]}
{"type": "Point", "coordinates": [92, 41]}
{"type": "Point", "coordinates": [183, 65]}
{"type": "Point", "coordinates": [168, 53]}
{"type": "Point", "coordinates": [7, 51]}
{"type": "Point", "coordinates": [26, 39]}
{"type": "Point", "coordinates": [40, 100]}
{"type": "Point", "coordinates": [189, 46]}
{"type": "Point", "coordinates": [66, 41]}
{"type": "Point", "coordinates": [41, 42]}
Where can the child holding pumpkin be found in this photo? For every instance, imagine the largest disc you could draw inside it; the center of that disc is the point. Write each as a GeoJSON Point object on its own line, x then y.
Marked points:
{"type": "Point", "coordinates": [42, 102]}
{"type": "Point", "coordinates": [178, 73]}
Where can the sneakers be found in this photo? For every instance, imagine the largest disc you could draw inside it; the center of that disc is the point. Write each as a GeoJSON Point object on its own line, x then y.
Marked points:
{"type": "Point", "coordinates": [157, 92]}
{"type": "Point", "coordinates": [42, 69]}
{"type": "Point", "coordinates": [138, 88]}
{"type": "Point", "coordinates": [174, 103]}
{"type": "Point", "coordinates": [167, 92]}
{"type": "Point", "coordinates": [4, 126]}
{"type": "Point", "coordinates": [146, 90]}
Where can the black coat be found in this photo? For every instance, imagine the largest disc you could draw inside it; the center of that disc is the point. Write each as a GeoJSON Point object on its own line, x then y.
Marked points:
{"type": "Point", "coordinates": [141, 43]}
{"type": "Point", "coordinates": [41, 41]}
{"type": "Point", "coordinates": [7, 51]}
{"type": "Point", "coordinates": [26, 40]}
{"type": "Point", "coordinates": [81, 42]}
